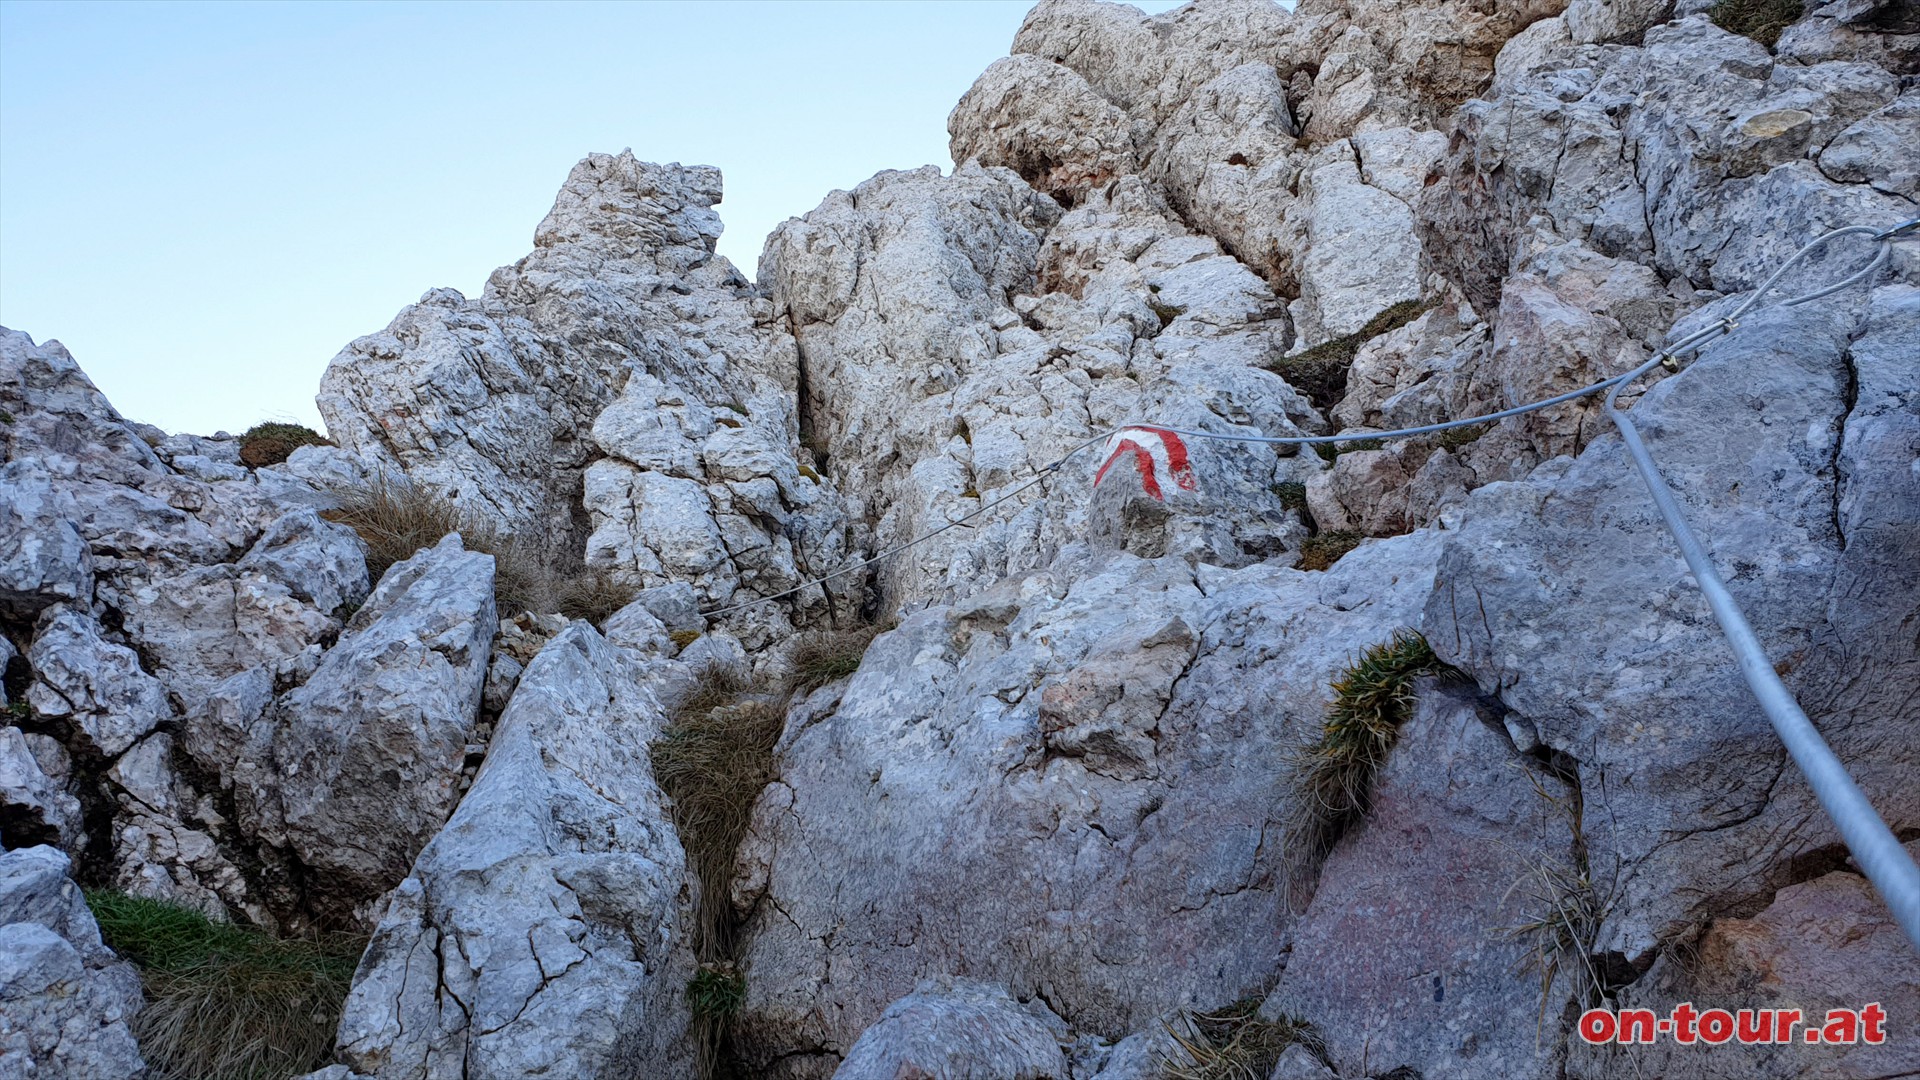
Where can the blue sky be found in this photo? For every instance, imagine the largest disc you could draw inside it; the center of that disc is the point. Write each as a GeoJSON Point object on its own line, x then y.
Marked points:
{"type": "Point", "coordinates": [204, 202]}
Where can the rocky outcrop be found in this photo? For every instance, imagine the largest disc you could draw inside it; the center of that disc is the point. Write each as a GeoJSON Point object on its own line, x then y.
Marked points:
{"type": "Point", "coordinates": [959, 1029]}
{"type": "Point", "coordinates": [65, 999]}
{"type": "Point", "coordinates": [1110, 720]}
{"type": "Point", "coordinates": [545, 931]}
{"type": "Point", "coordinates": [352, 772]}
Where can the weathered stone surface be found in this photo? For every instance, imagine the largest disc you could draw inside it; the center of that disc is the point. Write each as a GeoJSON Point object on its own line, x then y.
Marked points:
{"type": "Point", "coordinates": [545, 931]}
{"type": "Point", "coordinates": [43, 560]}
{"type": "Point", "coordinates": [353, 771]}
{"type": "Point", "coordinates": [34, 807]}
{"type": "Point", "coordinates": [1691, 806]}
{"type": "Point", "coordinates": [1361, 255]}
{"type": "Point", "coordinates": [94, 687]}
{"type": "Point", "coordinates": [1827, 943]}
{"type": "Point", "coordinates": [65, 999]}
{"type": "Point", "coordinates": [955, 1028]}
{"type": "Point", "coordinates": [1430, 977]}
{"type": "Point", "coordinates": [1044, 122]}
{"type": "Point", "coordinates": [1116, 720]}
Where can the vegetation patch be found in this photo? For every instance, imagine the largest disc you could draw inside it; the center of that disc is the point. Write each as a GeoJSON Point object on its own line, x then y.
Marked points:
{"type": "Point", "coordinates": [1330, 452]}
{"type": "Point", "coordinates": [717, 990]}
{"type": "Point", "coordinates": [1236, 1044]}
{"type": "Point", "coordinates": [396, 517]}
{"type": "Point", "coordinates": [1455, 438]}
{"type": "Point", "coordinates": [1292, 495]}
{"type": "Point", "coordinates": [228, 1001]}
{"type": "Point", "coordinates": [1321, 551]}
{"type": "Point", "coordinates": [594, 595]}
{"type": "Point", "coordinates": [1761, 20]}
{"type": "Point", "coordinates": [827, 656]}
{"type": "Point", "coordinates": [1562, 911]}
{"type": "Point", "coordinates": [683, 638]}
{"type": "Point", "coordinates": [713, 759]}
{"type": "Point", "coordinates": [1320, 372]}
{"type": "Point", "coordinates": [1166, 312]}
{"type": "Point", "coordinates": [271, 443]}
{"type": "Point", "coordinates": [1333, 775]}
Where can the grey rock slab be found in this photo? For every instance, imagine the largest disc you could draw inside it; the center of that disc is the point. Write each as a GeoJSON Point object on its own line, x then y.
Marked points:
{"type": "Point", "coordinates": [959, 1030]}
{"type": "Point", "coordinates": [545, 930]}
{"type": "Point", "coordinates": [65, 999]}
{"type": "Point", "coordinates": [354, 770]}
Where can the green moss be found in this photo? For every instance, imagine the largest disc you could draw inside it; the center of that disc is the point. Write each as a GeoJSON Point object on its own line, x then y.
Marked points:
{"type": "Point", "coordinates": [1761, 20]}
{"type": "Point", "coordinates": [1455, 438]}
{"type": "Point", "coordinates": [1320, 372]}
{"type": "Point", "coordinates": [5, 417]}
{"type": "Point", "coordinates": [224, 1000]}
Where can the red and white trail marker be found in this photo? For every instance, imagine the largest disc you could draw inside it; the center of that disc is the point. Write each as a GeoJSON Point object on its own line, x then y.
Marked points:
{"type": "Point", "coordinates": [1153, 450]}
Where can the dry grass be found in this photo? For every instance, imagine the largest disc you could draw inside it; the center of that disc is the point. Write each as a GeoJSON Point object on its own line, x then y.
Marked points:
{"type": "Point", "coordinates": [1761, 20]}
{"type": "Point", "coordinates": [1321, 551]}
{"type": "Point", "coordinates": [1456, 438]}
{"type": "Point", "coordinates": [227, 1001]}
{"type": "Point", "coordinates": [1333, 775]}
{"type": "Point", "coordinates": [1235, 1044]}
{"type": "Point", "coordinates": [713, 759]}
{"type": "Point", "coordinates": [396, 517]}
{"type": "Point", "coordinates": [1320, 372]}
{"type": "Point", "coordinates": [826, 656]}
{"type": "Point", "coordinates": [271, 443]}
{"type": "Point", "coordinates": [594, 595]}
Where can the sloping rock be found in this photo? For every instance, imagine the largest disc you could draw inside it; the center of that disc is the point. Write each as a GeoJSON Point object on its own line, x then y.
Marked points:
{"type": "Point", "coordinates": [1826, 943]}
{"type": "Point", "coordinates": [65, 999]}
{"type": "Point", "coordinates": [1691, 806]}
{"type": "Point", "coordinates": [545, 931]}
{"type": "Point", "coordinates": [1430, 976]}
{"type": "Point", "coordinates": [957, 1029]}
{"type": "Point", "coordinates": [353, 771]}
{"type": "Point", "coordinates": [1105, 742]}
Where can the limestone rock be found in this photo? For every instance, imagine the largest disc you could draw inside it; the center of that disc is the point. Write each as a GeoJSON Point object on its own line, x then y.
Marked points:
{"type": "Point", "coordinates": [1115, 720]}
{"type": "Point", "coordinates": [353, 771]}
{"type": "Point", "coordinates": [91, 685]}
{"type": "Point", "coordinates": [1825, 943]}
{"type": "Point", "coordinates": [34, 807]}
{"type": "Point", "coordinates": [1430, 978]}
{"type": "Point", "coordinates": [959, 1029]}
{"type": "Point", "coordinates": [1689, 805]}
{"type": "Point", "coordinates": [65, 999]}
{"type": "Point", "coordinates": [545, 931]}
{"type": "Point", "coordinates": [1044, 122]}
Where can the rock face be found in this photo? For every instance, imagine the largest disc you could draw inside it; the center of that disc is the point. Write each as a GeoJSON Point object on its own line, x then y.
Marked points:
{"type": "Point", "coordinates": [1111, 720]}
{"type": "Point", "coordinates": [545, 931]}
{"type": "Point", "coordinates": [371, 745]}
{"type": "Point", "coordinates": [65, 999]}
{"type": "Point", "coordinates": [1050, 816]}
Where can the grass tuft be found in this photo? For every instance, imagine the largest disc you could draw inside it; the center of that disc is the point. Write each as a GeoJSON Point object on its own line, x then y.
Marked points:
{"type": "Point", "coordinates": [683, 638]}
{"type": "Point", "coordinates": [228, 1001]}
{"type": "Point", "coordinates": [1330, 452]}
{"type": "Point", "coordinates": [396, 517]}
{"type": "Point", "coordinates": [1321, 551]}
{"type": "Point", "coordinates": [1761, 20]}
{"type": "Point", "coordinates": [271, 443]}
{"type": "Point", "coordinates": [1320, 372]}
{"type": "Point", "coordinates": [827, 656]}
{"type": "Point", "coordinates": [1455, 438]}
{"type": "Point", "coordinates": [1334, 774]}
{"type": "Point", "coordinates": [1292, 495]}
{"type": "Point", "coordinates": [1235, 1044]}
{"type": "Point", "coordinates": [717, 990]}
{"type": "Point", "coordinates": [594, 595]}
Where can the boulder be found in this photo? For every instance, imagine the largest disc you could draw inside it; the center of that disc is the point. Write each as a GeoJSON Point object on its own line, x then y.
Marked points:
{"type": "Point", "coordinates": [65, 999]}
{"type": "Point", "coordinates": [546, 930]}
